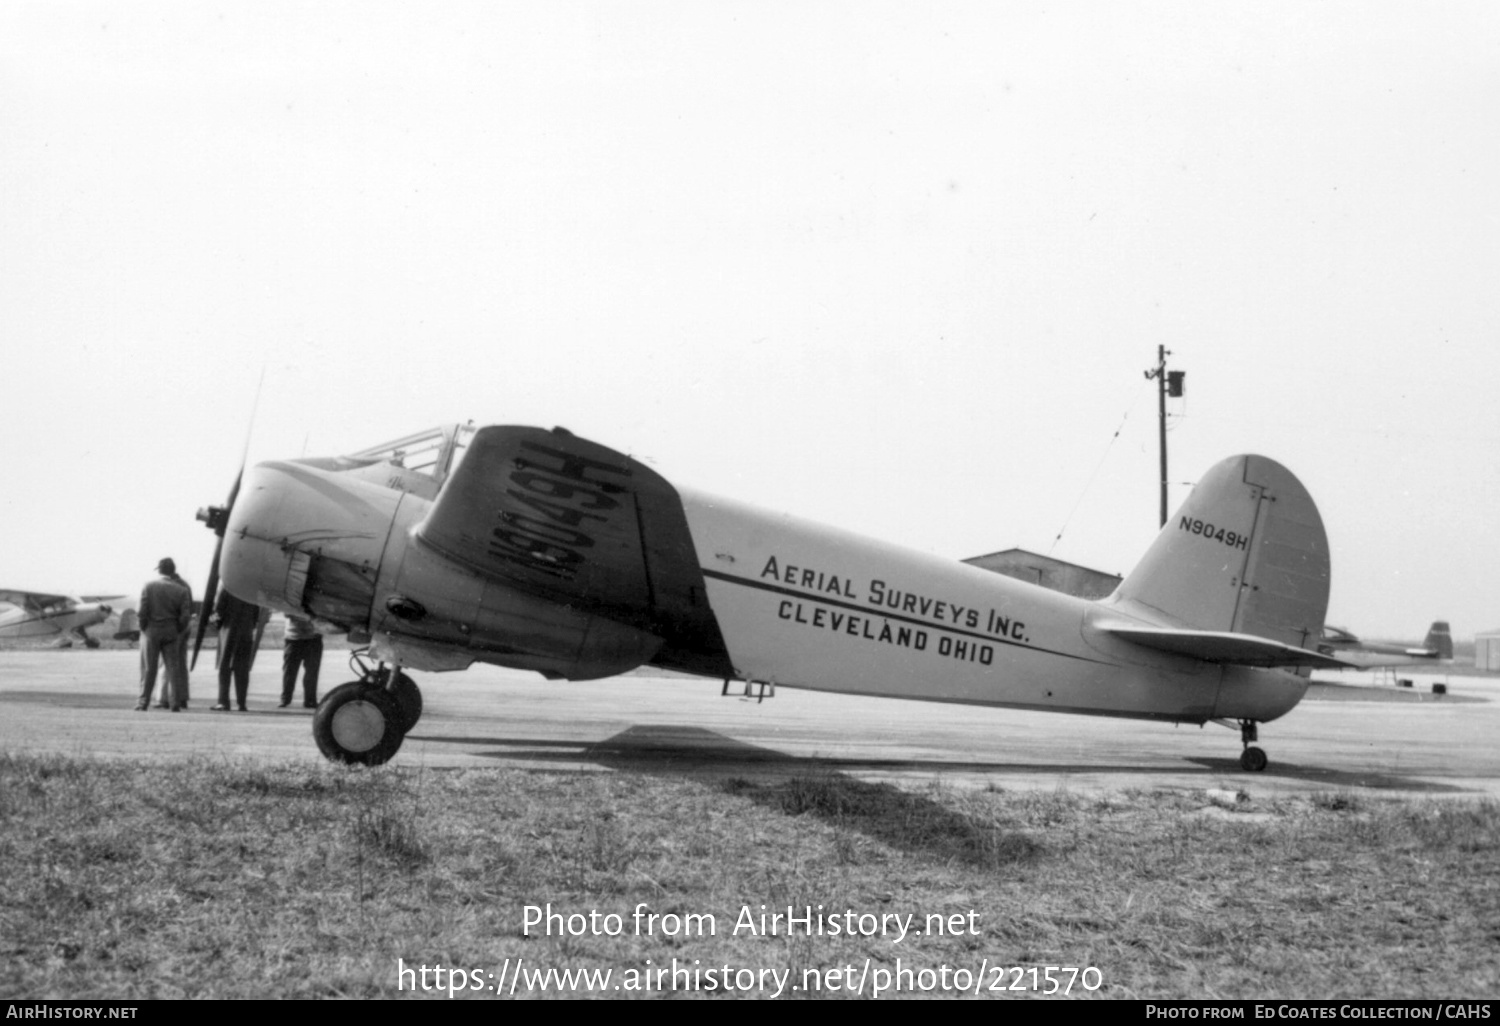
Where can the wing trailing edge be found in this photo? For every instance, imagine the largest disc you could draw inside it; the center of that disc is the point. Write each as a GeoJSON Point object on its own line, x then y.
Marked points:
{"type": "Point", "coordinates": [1225, 647]}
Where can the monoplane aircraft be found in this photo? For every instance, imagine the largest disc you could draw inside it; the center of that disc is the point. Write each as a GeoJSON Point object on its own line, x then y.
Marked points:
{"type": "Point", "coordinates": [537, 549]}
{"type": "Point", "coordinates": [34, 614]}
{"type": "Point", "coordinates": [1436, 647]}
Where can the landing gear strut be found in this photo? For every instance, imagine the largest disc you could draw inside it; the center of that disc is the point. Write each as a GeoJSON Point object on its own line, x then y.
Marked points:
{"type": "Point", "coordinates": [364, 721]}
{"type": "Point", "coordinates": [1252, 759]}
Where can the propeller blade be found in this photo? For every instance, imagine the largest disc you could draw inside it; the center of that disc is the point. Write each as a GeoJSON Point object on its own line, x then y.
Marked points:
{"type": "Point", "coordinates": [234, 493]}
{"type": "Point", "coordinates": [210, 599]}
{"type": "Point", "coordinates": [218, 520]}
{"type": "Point", "coordinates": [211, 590]}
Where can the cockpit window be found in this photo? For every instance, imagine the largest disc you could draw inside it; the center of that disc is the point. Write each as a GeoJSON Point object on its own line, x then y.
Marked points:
{"type": "Point", "coordinates": [434, 453]}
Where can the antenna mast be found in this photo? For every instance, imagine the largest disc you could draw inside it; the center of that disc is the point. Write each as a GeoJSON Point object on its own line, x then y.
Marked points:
{"type": "Point", "coordinates": [1168, 383]}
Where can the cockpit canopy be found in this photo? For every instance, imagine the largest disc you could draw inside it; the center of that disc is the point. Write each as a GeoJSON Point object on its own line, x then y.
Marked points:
{"type": "Point", "coordinates": [435, 452]}
{"type": "Point", "coordinates": [418, 463]}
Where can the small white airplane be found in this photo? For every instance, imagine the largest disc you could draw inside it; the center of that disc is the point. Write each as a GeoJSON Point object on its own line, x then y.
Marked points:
{"type": "Point", "coordinates": [539, 550]}
{"type": "Point", "coordinates": [1436, 647]}
{"type": "Point", "coordinates": [34, 614]}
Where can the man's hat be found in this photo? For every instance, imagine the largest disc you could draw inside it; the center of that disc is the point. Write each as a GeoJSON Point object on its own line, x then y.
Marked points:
{"type": "Point", "coordinates": [166, 566]}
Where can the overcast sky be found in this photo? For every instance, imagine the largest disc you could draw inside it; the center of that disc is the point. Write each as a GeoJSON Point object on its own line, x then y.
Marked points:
{"type": "Point", "coordinates": [898, 267]}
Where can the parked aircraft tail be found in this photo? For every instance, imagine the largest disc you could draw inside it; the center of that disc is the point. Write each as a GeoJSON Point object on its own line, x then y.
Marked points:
{"type": "Point", "coordinates": [1246, 554]}
{"type": "Point", "coordinates": [1439, 640]}
{"type": "Point", "coordinates": [130, 626]}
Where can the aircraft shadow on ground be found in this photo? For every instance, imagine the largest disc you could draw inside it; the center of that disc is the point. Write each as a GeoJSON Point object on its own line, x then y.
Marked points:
{"type": "Point", "coordinates": [795, 786]}
{"type": "Point", "coordinates": [694, 750]}
{"type": "Point", "coordinates": [1333, 779]}
{"type": "Point", "coordinates": [683, 750]}
{"type": "Point", "coordinates": [824, 788]}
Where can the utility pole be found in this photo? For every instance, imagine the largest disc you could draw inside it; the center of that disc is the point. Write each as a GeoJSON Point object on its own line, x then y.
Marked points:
{"type": "Point", "coordinates": [1168, 383]}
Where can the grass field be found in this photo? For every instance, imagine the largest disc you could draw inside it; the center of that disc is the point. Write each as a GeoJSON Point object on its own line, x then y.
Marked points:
{"type": "Point", "coordinates": [211, 879]}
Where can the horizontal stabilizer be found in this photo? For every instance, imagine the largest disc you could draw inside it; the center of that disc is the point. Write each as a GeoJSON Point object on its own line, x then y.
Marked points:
{"type": "Point", "coordinates": [1226, 647]}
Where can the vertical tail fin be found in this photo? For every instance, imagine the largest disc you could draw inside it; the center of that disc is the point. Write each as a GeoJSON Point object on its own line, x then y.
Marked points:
{"type": "Point", "coordinates": [130, 626]}
{"type": "Point", "coordinates": [1439, 640]}
{"type": "Point", "coordinates": [1245, 553]}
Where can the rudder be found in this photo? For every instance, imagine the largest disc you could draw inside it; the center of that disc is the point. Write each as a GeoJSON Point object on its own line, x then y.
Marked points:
{"type": "Point", "coordinates": [1439, 639]}
{"type": "Point", "coordinates": [1245, 553]}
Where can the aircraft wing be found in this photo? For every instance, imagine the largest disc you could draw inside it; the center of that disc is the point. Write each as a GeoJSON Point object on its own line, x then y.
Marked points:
{"type": "Point", "coordinates": [559, 516]}
{"type": "Point", "coordinates": [1226, 647]}
{"type": "Point", "coordinates": [33, 601]}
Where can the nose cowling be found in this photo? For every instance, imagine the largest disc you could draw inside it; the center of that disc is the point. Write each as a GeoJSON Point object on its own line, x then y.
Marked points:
{"type": "Point", "coordinates": [308, 541]}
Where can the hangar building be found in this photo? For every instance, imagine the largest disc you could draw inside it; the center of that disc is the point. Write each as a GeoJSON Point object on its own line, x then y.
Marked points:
{"type": "Point", "coordinates": [1487, 650]}
{"type": "Point", "coordinates": [1033, 568]}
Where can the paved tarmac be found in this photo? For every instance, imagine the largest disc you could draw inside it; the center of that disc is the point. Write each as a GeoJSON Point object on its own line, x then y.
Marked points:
{"type": "Point", "coordinates": [1354, 735]}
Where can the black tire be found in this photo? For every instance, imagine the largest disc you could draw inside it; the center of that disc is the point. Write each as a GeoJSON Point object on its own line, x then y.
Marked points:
{"type": "Point", "coordinates": [1252, 760]}
{"type": "Point", "coordinates": [358, 724]}
{"type": "Point", "coordinates": [409, 701]}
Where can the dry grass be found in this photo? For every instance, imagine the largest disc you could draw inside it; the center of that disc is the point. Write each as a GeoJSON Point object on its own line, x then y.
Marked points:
{"type": "Point", "coordinates": [235, 880]}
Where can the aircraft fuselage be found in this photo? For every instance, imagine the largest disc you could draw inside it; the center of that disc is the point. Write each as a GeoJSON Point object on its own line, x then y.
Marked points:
{"type": "Point", "coordinates": [796, 604]}
{"type": "Point", "coordinates": [20, 623]}
{"type": "Point", "coordinates": [805, 605]}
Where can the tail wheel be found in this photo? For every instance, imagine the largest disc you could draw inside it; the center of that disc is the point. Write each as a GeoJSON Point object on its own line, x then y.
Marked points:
{"type": "Point", "coordinates": [358, 724]}
{"type": "Point", "coordinates": [409, 700]}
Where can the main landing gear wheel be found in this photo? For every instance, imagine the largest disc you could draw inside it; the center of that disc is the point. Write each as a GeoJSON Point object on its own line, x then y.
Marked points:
{"type": "Point", "coordinates": [408, 699]}
{"type": "Point", "coordinates": [1252, 759]}
{"type": "Point", "coordinates": [358, 723]}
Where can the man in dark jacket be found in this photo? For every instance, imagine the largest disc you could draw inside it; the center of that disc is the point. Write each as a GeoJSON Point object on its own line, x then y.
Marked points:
{"type": "Point", "coordinates": [304, 648]}
{"type": "Point", "coordinates": [165, 610]}
{"type": "Point", "coordinates": [239, 628]}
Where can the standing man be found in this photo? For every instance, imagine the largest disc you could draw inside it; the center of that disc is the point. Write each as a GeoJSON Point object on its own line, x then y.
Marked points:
{"type": "Point", "coordinates": [239, 628]}
{"type": "Point", "coordinates": [165, 610]}
{"type": "Point", "coordinates": [182, 649]}
{"type": "Point", "coordinates": [304, 648]}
